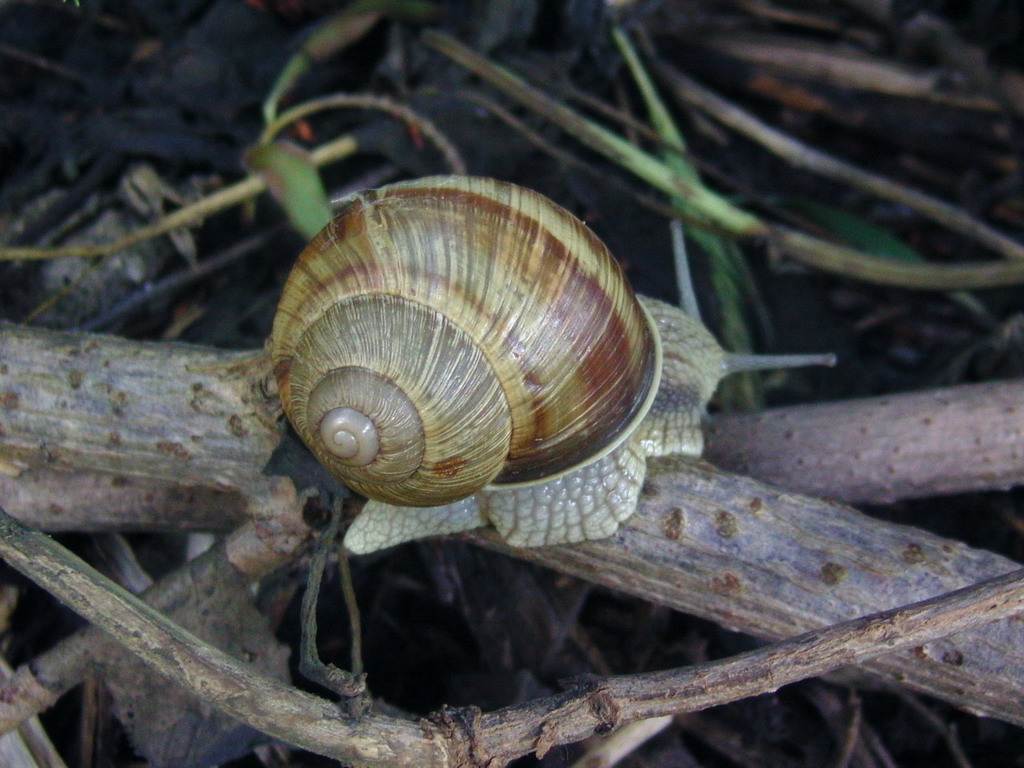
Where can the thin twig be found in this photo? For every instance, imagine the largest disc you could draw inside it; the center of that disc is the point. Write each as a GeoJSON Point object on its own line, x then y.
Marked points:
{"type": "Point", "coordinates": [155, 291]}
{"type": "Point", "coordinates": [42, 63]}
{"type": "Point", "coordinates": [851, 734]}
{"type": "Point", "coordinates": [349, 685]}
{"type": "Point", "coordinates": [59, 295]}
{"type": "Point", "coordinates": [719, 211]}
{"type": "Point", "coordinates": [849, 262]}
{"type": "Point", "coordinates": [795, 55]}
{"type": "Point", "coordinates": [878, 748]}
{"type": "Point", "coordinates": [452, 156]}
{"type": "Point", "coordinates": [599, 705]}
{"type": "Point", "coordinates": [947, 731]}
{"type": "Point", "coordinates": [189, 215]}
{"type": "Point", "coordinates": [355, 622]}
{"type": "Point", "coordinates": [607, 752]}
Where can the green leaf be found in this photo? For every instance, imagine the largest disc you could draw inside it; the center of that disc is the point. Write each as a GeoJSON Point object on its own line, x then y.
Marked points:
{"type": "Point", "coordinates": [294, 181]}
{"type": "Point", "coordinates": [733, 284]}
{"type": "Point", "coordinates": [856, 231]}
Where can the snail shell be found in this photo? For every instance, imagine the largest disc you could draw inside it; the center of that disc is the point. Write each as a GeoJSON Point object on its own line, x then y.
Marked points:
{"type": "Point", "coordinates": [452, 333]}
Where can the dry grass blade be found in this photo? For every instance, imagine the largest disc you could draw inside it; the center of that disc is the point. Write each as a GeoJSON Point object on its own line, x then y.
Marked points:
{"type": "Point", "coordinates": [716, 208]}
{"type": "Point", "coordinates": [189, 215]}
{"type": "Point", "coordinates": [802, 156]}
{"type": "Point", "coordinates": [721, 213]}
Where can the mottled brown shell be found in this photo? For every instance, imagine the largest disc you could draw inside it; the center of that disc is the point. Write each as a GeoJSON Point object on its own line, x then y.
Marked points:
{"type": "Point", "coordinates": [485, 332]}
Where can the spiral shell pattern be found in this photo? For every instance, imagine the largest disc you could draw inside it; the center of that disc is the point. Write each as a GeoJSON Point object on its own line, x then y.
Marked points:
{"type": "Point", "coordinates": [482, 331]}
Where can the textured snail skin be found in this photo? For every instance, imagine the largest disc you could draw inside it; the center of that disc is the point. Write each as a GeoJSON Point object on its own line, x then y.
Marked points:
{"type": "Point", "coordinates": [509, 375]}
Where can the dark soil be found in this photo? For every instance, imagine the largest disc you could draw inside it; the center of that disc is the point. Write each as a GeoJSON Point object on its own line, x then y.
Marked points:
{"type": "Point", "coordinates": [89, 93]}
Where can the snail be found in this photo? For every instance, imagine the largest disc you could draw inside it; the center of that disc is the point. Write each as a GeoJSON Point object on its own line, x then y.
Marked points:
{"type": "Point", "coordinates": [465, 352]}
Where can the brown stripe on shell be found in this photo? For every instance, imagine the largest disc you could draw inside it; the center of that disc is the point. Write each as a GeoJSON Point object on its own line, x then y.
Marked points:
{"type": "Point", "coordinates": [450, 468]}
{"type": "Point", "coordinates": [374, 276]}
{"type": "Point", "coordinates": [282, 373]}
{"type": "Point", "coordinates": [611, 377]}
{"type": "Point", "coordinates": [613, 374]}
{"type": "Point", "coordinates": [349, 225]}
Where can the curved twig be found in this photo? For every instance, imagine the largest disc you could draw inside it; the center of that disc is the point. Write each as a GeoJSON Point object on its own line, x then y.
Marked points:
{"type": "Point", "coordinates": [452, 739]}
{"type": "Point", "coordinates": [849, 262]}
{"type": "Point", "coordinates": [426, 127]}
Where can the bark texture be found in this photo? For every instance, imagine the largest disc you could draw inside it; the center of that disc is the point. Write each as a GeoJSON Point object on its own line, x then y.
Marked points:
{"type": "Point", "coordinates": [177, 413]}
{"type": "Point", "coordinates": [882, 449]}
{"type": "Point", "coordinates": [770, 563]}
{"type": "Point", "coordinates": [730, 548]}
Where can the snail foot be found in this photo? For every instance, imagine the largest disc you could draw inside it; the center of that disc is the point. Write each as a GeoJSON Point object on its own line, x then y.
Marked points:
{"type": "Point", "coordinates": [585, 504]}
{"type": "Point", "coordinates": [382, 525]}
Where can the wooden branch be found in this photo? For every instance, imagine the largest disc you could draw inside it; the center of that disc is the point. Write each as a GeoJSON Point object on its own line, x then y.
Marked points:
{"type": "Point", "coordinates": [882, 449]}
{"type": "Point", "coordinates": [176, 413]}
{"type": "Point", "coordinates": [770, 563]}
{"type": "Point", "coordinates": [606, 702]}
{"type": "Point", "coordinates": [272, 706]}
{"type": "Point", "coordinates": [275, 534]}
{"type": "Point", "coordinates": [86, 501]}
{"type": "Point", "coordinates": [451, 738]}
{"type": "Point", "coordinates": [154, 417]}
{"type": "Point", "coordinates": [729, 548]}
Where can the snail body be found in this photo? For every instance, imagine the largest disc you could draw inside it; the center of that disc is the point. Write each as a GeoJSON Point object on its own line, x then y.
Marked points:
{"type": "Point", "coordinates": [465, 352]}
